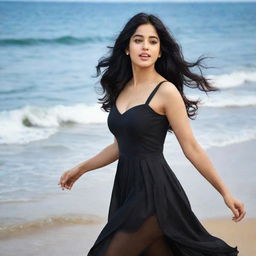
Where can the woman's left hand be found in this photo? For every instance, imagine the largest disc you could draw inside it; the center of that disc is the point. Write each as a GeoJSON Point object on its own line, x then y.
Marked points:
{"type": "Point", "coordinates": [236, 206]}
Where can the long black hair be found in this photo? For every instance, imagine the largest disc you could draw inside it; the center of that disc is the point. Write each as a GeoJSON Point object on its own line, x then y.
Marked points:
{"type": "Point", "coordinates": [172, 65]}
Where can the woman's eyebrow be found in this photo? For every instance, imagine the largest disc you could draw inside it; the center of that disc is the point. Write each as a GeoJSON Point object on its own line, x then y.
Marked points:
{"type": "Point", "coordinates": [143, 36]}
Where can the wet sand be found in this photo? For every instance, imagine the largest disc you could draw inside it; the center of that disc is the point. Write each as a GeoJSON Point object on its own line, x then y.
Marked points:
{"type": "Point", "coordinates": [242, 234]}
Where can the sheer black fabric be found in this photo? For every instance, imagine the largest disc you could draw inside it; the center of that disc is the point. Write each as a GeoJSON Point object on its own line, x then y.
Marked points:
{"type": "Point", "coordinates": [150, 213]}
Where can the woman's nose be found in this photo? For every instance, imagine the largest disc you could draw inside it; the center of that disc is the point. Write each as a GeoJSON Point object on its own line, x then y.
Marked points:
{"type": "Point", "coordinates": [145, 45]}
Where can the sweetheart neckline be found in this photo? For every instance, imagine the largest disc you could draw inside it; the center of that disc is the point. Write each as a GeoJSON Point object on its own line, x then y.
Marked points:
{"type": "Point", "coordinates": [139, 105]}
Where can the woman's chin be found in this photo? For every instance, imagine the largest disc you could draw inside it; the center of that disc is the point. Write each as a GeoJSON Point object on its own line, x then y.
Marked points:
{"type": "Point", "coordinates": [143, 64]}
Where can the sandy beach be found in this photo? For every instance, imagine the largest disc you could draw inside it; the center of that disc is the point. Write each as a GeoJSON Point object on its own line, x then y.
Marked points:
{"type": "Point", "coordinates": [242, 234]}
{"type": "Point", "coordinates": [63, 238]}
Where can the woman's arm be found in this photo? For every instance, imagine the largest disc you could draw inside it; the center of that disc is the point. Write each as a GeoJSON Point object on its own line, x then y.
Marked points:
{"type": "Point", "coordinates": [108, 155]}
{"type": "Point", "coordinates": [176, 113]}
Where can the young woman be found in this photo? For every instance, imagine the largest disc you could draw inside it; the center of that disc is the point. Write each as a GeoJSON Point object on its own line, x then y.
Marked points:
{"type": "Point", "coordinates": [150, 213]}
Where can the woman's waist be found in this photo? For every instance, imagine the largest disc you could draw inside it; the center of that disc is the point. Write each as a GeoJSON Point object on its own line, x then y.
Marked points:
{"type": "Point", "coordinates": [141, 154]}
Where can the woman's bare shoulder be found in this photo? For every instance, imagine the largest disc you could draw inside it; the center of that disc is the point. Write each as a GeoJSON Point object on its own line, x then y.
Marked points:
{"type": "Point", "coordinates": [168, 89]}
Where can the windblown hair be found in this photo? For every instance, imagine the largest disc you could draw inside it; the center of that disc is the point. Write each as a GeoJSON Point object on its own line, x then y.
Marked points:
{"type": "Point", "coordinates": [171, 65]}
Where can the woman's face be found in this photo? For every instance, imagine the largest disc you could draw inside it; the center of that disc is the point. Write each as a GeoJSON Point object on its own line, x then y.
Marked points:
{"type": "Point", "coordinates": [144, 41]}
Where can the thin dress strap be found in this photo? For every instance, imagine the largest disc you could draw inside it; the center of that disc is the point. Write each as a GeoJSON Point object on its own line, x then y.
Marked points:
{"type": "Point", "coordinates": [153, 92]}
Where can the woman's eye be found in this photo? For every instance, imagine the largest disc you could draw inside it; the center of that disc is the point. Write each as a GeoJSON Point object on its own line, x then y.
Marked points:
{"type": "Point", "coordinates": [138, 40]}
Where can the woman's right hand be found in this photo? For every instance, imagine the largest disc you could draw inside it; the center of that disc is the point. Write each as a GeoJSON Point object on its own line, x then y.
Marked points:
{"type": "Point", "coordinates": [69, 177]}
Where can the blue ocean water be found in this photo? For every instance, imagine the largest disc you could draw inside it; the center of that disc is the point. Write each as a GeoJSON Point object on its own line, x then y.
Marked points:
{"type": "Point", "coordinates": [49, 116]}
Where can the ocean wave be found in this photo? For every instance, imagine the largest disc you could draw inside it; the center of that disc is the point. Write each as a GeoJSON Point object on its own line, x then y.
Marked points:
{"type": "Point", "coordinates": [16, 90]}
{"type": "Point", "coordinates": [32, 123]}
{"type": "Point", "coordinates": [64, 40]}
{"type": "Point", "coordinates": [227, 138]}
{"type": "Point", "coordinates": [234, 79]}
{"type": "Point", "coordinates": [18, 201]}
{"type": "Point", "coordinates": [228, 101]}
{"type": "Point", "coordinates": [7, 231]}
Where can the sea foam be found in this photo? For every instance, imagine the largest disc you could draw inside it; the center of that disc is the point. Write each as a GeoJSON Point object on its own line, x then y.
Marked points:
{"type": "Point", "coordinates": [32, 123]}
{"type": "Point", "coordinates": [234, 79]}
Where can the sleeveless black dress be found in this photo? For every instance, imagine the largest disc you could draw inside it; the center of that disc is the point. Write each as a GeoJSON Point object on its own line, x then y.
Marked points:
{"type": "Point", "coordinates": [150, 213]}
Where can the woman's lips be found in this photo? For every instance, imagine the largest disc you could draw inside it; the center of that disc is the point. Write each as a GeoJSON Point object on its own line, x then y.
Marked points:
{"type": "Point", "coordinates": [144, 57]}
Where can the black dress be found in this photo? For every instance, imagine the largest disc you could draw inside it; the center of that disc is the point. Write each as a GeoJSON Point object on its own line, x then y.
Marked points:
{"type": "Point", "coordinates": [150, 213]}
